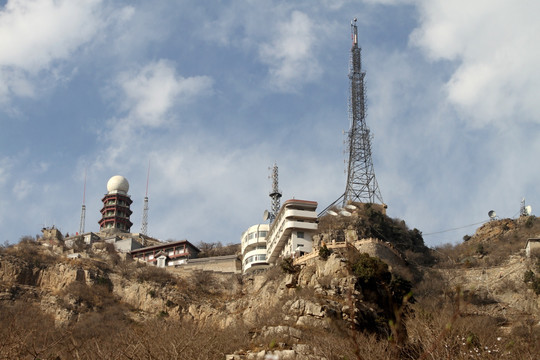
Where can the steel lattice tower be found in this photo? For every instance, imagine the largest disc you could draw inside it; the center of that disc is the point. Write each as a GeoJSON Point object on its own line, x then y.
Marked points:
{"type": "Point", "coordinates": [361, 182]}
{"type": "Point", "coordinates": [83, 209]}
{"type": "Point", "coordinates": [144, 225]}
{"type": "Point", "coordinates": [275, 194]}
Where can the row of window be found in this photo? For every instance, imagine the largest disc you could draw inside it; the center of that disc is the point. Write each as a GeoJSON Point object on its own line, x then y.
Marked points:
{"type": "Point", "coordinates": [113, 202]}
{"type": "Point", "coordinates": [111, 225]}
{"type": "Point", "coordinates": [112, 213]}
{"type": "Point", "coordinates": [262, 234]}
{"type": "Point", "coordinates": [254, 258]}
{"type": "Point", "coordinates": [171, 252]}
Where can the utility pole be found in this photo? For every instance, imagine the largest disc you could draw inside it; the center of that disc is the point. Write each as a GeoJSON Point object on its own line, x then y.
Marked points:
{"type": "Point", "coordinates": [83, 210]}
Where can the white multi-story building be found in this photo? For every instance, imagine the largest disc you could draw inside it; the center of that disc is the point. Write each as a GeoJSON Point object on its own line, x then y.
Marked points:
{"type": "Point", "coordinates": [291, 232]}
{"type": "Point", "coordinates": [254, 247]}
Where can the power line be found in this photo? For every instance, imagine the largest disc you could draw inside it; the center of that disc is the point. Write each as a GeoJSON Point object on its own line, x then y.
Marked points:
{"type": "Point", "coordinates": [453, 229]}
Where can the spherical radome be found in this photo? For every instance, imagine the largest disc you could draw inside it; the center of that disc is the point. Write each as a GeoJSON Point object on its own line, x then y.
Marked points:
{"type": "Point", "coordinates": [118, 183]}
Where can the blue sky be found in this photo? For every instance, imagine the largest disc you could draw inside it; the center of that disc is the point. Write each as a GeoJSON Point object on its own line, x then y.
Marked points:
{"type": "Point", "coordinates": [212, 93]}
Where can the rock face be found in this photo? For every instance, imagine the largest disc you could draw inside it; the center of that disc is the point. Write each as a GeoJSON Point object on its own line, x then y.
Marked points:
{"type": "Point", "coordinates": [494, 229]}
{"type": "Point", "coordinates": [280, 310]}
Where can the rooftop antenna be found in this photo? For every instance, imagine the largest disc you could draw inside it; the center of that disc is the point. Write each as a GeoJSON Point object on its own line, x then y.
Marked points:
{"type": "Point", "coordinates": [275, 194]}
{"type": "Point", "coordinates": [361, 182]}
{"type": "Point", "coordinates": [83, 209]}
{"type": "Point", "coordinates": [525, 210]}
{"type": "Point", "coordinates": [144, 226]}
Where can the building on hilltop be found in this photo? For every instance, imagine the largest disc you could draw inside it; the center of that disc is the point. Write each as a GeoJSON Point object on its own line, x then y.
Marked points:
{"type": "Point", "coordinates": [115, 223]}
{"type": "Point", "coordinates": [532, 247]}
{"type": "Point", "coordinates": [253, 247]}
{"type": "Point", "coordinates": [167, 254]}
{"type": "Point", "coordinates": [291, 232]}
{"type": "Point", "coordinates": [116, 206]}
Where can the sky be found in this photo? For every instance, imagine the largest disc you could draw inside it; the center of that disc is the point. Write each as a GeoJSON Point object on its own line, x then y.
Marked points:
{"type": "Point", "coordinates": [213, 93]}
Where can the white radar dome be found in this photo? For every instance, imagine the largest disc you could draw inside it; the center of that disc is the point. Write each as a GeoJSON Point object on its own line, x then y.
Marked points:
{"type": "Point", "coordinates": [117, 184]}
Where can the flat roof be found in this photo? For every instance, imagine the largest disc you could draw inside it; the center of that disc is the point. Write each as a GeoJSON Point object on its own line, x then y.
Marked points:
{"type": "Point", "coordinates": [164, 245]}
{"type": "Point", "coordinates": [300, 202]}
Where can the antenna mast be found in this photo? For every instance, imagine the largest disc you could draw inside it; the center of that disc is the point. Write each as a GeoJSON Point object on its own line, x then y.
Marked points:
{"type": "Point", "coordinates": [275, 194]}
{"type": "Point", "coordinates": [144, 226]}
{"type": "Point", "coordinates": [361, 182]}
{"type": "Point", "coordinates": [83, 210]}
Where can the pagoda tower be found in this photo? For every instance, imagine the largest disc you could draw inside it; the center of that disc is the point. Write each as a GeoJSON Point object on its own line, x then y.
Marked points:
{"type": "Point", "coordinates": [116, 212]}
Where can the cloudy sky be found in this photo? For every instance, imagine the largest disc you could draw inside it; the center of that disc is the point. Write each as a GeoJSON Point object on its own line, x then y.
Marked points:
{"type": "Point", "coordinates": [212, 93]}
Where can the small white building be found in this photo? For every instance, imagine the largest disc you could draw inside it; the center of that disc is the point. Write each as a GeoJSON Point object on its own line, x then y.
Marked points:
{"type": "Point", "coordinates": [532, 247]}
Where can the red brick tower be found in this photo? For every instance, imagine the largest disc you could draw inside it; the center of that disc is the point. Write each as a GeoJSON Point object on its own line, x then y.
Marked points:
{"type": "Point", "coordinates": [116, 212]}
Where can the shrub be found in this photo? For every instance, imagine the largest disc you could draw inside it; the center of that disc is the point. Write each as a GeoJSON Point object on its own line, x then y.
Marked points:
{"type": "Point", "coordinates": [94, 296]}
{"type": "Point", "coordinates": [204, 282]}
{"type": "Point", "coordinates": [155, 274]}
{"type": "Point", "coordinates": [324, 252]}
{"type": "Point", "coordinates": [536, 286]}
{"type": "Point", "coordinates": [480, 249]}
{"type": "Point", "coordinates": [371, 270]}
{"type": "Point", "coordinates": [528, 276]}
{"type": "Point", "coordinates": [287, 265]}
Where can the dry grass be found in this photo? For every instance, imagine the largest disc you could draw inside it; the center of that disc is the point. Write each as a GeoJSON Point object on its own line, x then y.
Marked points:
{"type": "Point", "coordinates": [27, 333]}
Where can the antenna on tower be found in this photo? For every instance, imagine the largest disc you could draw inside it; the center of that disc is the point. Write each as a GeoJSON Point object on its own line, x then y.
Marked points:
{"type": "Point", "coordinates": [83, 209]}
{"type": "Point", "coordinates": [361, 182]}
{"type": "Point", "coordinates": [144, 226]}
{"type": "Point", "coordinates": [275, 194]}
{"type": "Point", "coordinates": [525, 210]}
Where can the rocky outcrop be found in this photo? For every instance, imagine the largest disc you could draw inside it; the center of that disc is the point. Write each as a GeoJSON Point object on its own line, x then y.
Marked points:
{"type": "Point", "coordinates": [494, 229]}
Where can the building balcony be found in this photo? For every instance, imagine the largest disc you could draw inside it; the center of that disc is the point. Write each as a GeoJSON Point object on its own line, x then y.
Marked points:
{"type": "Point", "coordinates": [254, 258]}
{"type": "Point", "coordinates": [278, 238]}
{"type": "Point", "coordinates": [253, 243]}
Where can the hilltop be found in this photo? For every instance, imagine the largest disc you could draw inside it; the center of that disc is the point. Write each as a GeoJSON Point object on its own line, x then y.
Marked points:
{"type": "Point", "coordinates": [374, 290]}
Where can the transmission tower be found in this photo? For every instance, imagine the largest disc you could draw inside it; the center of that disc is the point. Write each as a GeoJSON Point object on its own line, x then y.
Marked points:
{"type": "Point", "coordinates": [361, 182]}
{"type": "Point", "coordinates": [275, 194]}
{"type": "Point", "coordinates": [144, 226]}
{"type": "Point", "coordinates": [83, 209]}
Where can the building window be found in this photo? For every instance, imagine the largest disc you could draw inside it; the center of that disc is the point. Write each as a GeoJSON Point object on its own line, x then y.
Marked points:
{"type": "Point", "coordinates": [300, 234]}
{"type": "Point", "coordinates": [255, 258]}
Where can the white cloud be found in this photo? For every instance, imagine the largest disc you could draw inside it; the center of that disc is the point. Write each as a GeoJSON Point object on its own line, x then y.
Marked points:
{"type": "Point", "coordinates": [290, 53]}
{"type": "Point", "coordinates": [153, 90]}
{"type": "Point", "coordinates": [34, 33]}
{"type": "Point", "coordinates": [148, 96]}
{"type": "Point", "coordinates": [494, 44]}
{"type": "Point", "coordinates": [38, 36]}
{"type": "Point", "coordinates": [5, 167]}
{"type": "Point", "coordinates": [22, 189]}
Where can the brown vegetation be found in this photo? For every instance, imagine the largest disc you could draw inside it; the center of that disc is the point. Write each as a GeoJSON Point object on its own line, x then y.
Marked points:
{"type": "Point", "coordinates": [443, 321]}
{"type": "Point", "coordinates": [492, 245]}
{"type": "Point", "coordinates": [370, 223]}
{"type": "Point", "coordinates": [217, 249]}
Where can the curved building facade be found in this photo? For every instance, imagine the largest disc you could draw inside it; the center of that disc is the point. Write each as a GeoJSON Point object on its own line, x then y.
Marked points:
{"type": "Point", "coordinates": [253, 247]}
